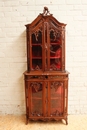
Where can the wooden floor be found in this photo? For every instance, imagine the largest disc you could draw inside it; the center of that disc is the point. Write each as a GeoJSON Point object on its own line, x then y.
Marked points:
{"type": "Point", "coordinates": [11, 122]}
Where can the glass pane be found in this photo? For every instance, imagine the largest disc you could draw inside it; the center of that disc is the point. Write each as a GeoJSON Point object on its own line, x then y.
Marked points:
{"type": "Point", "coordinates": [36, 101]}
{"type": "Point", "coordinates": [46, 45]}
{"type": "Point", "coordinates": [36, 64]}
{"type": "Point", "coordinates": [57, 99]}
{"type": "Point", "coordinates": [37, 50]}
{"type": "Point", "coordinates": [55, 57]}
{"type": "Point", "coordinates": [55, 50]}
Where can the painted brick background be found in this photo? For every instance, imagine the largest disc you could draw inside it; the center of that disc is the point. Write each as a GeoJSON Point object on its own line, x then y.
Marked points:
{"type": "Point", "coordinates": [13, 16]}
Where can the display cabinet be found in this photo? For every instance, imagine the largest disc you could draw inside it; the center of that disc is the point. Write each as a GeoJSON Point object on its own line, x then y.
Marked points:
{"type": "Point", "coordinates": [46, 80]}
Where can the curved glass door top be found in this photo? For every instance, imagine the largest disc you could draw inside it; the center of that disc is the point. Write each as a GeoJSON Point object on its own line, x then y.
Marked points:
{"type": "Point", "coordinates": [36, 50]}
{"type": "Point", "coordinates": [55, 49]}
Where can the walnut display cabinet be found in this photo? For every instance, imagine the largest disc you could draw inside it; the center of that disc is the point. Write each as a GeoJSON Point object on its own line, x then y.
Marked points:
{"type": "Point", "coordinates": [46, 80]}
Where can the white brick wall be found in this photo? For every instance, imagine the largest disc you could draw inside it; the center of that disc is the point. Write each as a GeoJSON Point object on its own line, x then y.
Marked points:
{"type": "Point", "coordinates": [13, 16]}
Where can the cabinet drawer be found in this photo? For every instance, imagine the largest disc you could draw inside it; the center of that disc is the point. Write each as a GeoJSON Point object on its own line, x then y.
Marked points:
{"type": "Point", "coordinates": [58, 77]}
{"type": "Point", "coordinates": [34, 77]}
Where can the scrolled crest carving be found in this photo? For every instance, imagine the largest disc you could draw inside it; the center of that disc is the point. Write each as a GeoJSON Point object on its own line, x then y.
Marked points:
{"type": "Point", "coordinates": [46, 11]}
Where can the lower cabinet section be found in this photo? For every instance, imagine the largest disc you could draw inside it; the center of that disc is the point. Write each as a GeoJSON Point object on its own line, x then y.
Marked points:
{"type": "Point", "coordinates": [46, 96]}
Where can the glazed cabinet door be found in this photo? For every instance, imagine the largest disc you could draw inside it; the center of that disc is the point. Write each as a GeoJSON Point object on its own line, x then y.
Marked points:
{"type": "Point", "coordinates": [36, 94]}
{"type": "Point", "coordinates": [57, 93]}
{"type": "Point", "coordinates": [46, 46]}
{"type": "Point", "coordinates": [54, 44]}
{"type": "Point", "coordinates": [56, 47]}
{"type": "Point", "coordinates": [35, 48]}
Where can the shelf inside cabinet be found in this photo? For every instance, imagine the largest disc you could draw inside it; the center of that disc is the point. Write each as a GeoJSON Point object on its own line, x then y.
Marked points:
{"type": "Point", "coordinates": [55, 43]}
{"type": "Point", "coordinates": [36, 52]}
{"type": "Point", "coordinates": [36, 44]}
{"type": "Point", "coordinates": [36, 98]}
{"type": "Point", "coordinates": [36, 57]}
{"type": "Point", "coordinates": [52, 57]}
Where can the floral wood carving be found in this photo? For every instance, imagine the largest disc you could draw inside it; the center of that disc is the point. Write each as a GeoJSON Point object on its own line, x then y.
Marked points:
{"type": "Point", "coordinates": [36, 87]}
{"type": "Point", "coordinates": [57, 113]}
{"type": "Point", "coordinates": [56, 85]}
{"type": "Point", "coordinates": [53, 67]}
{"type": "Point", "coordinates": [37, 33]}
{"type": "Point", "coordinates": [54, 34]}
{"type": "Point", "coordinates": [37, 68]}
{"type": "Point", "coordinates": [36, 113]}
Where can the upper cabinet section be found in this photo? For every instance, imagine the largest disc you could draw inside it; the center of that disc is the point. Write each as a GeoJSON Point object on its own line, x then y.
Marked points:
{"type": "Point", "coordinates": [45, 43]}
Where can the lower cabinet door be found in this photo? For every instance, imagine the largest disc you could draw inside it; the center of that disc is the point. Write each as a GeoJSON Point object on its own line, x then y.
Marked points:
{"type": "Point", "coordinates": [56, 98]}
{"type": "Point", "coordinates": [35, 99]}
{"type": "Point", "coordinates": [47, 99]}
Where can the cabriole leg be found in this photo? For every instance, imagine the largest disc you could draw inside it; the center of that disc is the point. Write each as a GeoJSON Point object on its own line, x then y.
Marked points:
{"type": "Point", "coordinates": [26, 119]}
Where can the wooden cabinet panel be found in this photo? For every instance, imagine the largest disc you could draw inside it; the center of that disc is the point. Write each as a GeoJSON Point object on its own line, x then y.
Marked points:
{"type": "Point", "coordinates": [47, 96]}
